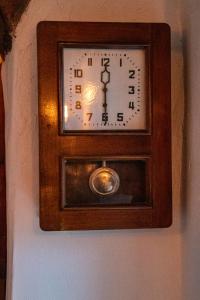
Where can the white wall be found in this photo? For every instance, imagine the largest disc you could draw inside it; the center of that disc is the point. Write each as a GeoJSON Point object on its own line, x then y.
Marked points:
{"type": "Point", "coordinates": [191, 207]}
{"type": "Point", "coordinates": [95, 265]}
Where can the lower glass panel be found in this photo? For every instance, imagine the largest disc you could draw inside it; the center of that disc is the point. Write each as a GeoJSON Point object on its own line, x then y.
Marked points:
{"type": "Point", "coordinates": [134, 187]}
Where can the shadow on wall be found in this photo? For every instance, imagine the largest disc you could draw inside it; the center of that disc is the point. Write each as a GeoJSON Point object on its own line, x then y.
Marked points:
{"type": "Point", "coordinates": [178, 106]}
{"type": "Point", "coordinates": [191, 162]}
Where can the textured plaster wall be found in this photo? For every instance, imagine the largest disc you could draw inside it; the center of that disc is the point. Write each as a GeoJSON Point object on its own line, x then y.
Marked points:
{"type": "Point", "coordinates": [103, 265]}
{"type": "Point", "coordinates": [191, 207]}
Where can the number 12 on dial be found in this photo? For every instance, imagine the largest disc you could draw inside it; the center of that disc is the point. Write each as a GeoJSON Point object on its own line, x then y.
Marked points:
{"type": "Point", "coordinates": [104, 89]}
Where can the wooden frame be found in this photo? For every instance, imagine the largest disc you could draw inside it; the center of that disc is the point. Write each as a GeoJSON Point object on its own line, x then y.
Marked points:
{"type": "Point", "coordinates": [156, 145]}
{"type": "Point", "coordinates": [62, 45]}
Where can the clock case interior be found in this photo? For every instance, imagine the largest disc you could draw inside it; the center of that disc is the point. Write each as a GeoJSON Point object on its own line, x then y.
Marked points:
{"type": "Point", "coordinates": [141, 158]}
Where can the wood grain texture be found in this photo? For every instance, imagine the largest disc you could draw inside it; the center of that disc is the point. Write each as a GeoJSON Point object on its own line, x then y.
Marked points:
{"type": "Point", "coordinates": [2, 198]}
{"type": "Point", "coordinates": [156, 145]}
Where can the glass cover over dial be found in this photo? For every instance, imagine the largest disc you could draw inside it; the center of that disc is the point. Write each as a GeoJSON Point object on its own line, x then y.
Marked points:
{"type": "Point", "coordinates": [103, 89]}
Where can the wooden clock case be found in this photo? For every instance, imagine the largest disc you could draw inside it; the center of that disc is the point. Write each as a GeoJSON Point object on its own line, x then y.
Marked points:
{"type": "Point", "coordinates": [148, 152]}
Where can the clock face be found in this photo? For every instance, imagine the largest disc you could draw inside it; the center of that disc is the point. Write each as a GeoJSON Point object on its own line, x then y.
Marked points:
{"type": "Point", "coordinates": [104, 89]}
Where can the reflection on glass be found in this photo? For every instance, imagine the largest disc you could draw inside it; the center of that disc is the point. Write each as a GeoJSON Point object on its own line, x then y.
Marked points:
{"type": "Point", "coordinates": [66, 115]}
{"type": "Point", "coordinates": [89, 92]}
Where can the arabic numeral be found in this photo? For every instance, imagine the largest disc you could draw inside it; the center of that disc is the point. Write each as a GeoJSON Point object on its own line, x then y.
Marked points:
{"type": "Point", "coordinates": [78, 73]}
{"type": "Point", "coordinates": [105, 117]}
{"type": "Point", "coordinates": [89, 116]}
{"type": "Point", "coordinates": [78, 105]}
{"type": "Point", "coordinates": [131, 89]}
{"type": "Point", "coordinates": [105, 62]}
{"type": "Point", "coordinates": [120, 117]}
{"type": "Point", "coordinates": [132, 74]}
{"type": "Point", "coordinates": [131, 105]}
{"type": "Point", "coordinates": [78, 89]}
{"type": "Point", "coordinates": [89, 61]}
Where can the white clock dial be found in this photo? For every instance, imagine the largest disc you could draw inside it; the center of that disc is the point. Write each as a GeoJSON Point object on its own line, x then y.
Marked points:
{"type": "Point", "coordinates": [104, 89]}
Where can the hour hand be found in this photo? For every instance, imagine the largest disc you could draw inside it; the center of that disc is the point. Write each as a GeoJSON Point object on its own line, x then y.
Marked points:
{"type": "Point", "coordinates": [105, 76]}
{"type": "Point", "coordinates": [105, 79]}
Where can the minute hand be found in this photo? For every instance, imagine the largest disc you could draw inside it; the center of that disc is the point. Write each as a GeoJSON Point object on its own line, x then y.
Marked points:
{"type": "Point", "coordinates": [105, 79]}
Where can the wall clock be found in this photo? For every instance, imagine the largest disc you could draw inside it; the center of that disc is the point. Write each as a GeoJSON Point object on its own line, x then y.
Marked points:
{"type": "Point", "coordinates": [104, 116]}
